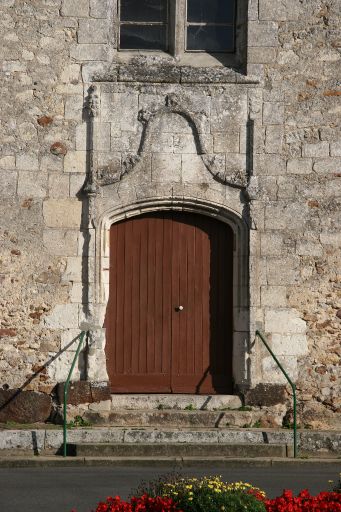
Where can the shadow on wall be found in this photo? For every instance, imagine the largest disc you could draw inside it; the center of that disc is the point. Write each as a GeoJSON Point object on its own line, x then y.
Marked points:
{"type": "Point", "coordinates": [20, 406]}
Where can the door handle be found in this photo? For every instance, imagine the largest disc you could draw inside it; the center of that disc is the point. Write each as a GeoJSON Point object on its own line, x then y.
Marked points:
{"type": "Point", "coordinates": [179, 308]}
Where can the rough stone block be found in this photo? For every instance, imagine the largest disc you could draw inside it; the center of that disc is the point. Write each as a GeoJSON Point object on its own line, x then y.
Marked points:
{"type": "Point", "coordinates": [227, 142]}
{"type": "Point", "coordinates": [62, 213]}
{"type": "Point", "coordinates": [194, 169]}
{"type": "Point", "coordinates": [77, 8]}
{"type": "Point", "coordinates": [285, 216]}
{"type": "Point", "coordinates": [253, 10]}
{"type": "Point", "coordinates": [75, 161]}
{"type": "Point", "coordinates": [74, 268]}
{"type": "Point", "coordinates": [87, 52]}
{"type": "Point", "coordinates": [51, 163]}
{"type": "Point", "coordinates": [166, 168]}
{"type": "Point", "coordinates": [163, 142]}
{"type": "Point", "coordinates": [284, 321]}
{"type": "Point", "coordinates": [265, 395]}
{"type": "Point", "coordinates": [273, 113]}
{"type": "Point", "coordinates": [286, 10]}
{"type": "Point", "coordinates": [272, 244]}
{"type": "Point", "coordinates": [58, 186]}
{"type": "Point", "coordinates": [32, 184]}
{"type": "Point", "coordinates": [99, 8]}
{"type": "Point", "coordinates": [293, 345]}
{"type": "Point", "coordinates": [271, 372]}
{"type": "Point", "coordinates": [74, 107]}
{"type": "Point", "coordinates": [63, 316]}
{"type": "Point", "coordinates": [331, 239]}
{"type": "Point", "coordinates": [305, 248]}
{"type": "Point", "coordinates": [93, 31]}
{"type": "Point", "coordinates": [24, 406]}
{"type": "Point", "coordinates": [228, 110]}
{"type": "Point", "coordinates": [76, 184]}
{"type": "Point", "coordinates": [274, 139]}
{"type": "Point", "coordinates": [82, 392]}
{"type": "Point", "coordinates": [7, 162]}
{"type": "Point", "coordinates": [281, 271]}
{"type": "Point", "coordinates": [263, 33]}
{"type": "Point", "coordinates": [60, 367]}
{"type": "Point", "coordinates": [327, 165]}
{"type": "Point", "coordinates": [270, 165]}
{"type": "Point", "coordinates": [8, 182]}
{"type": "Point", "coordinates": [335, 149]}
{"type": "Point", "coordinates": [121, 109]}
{"type": "Point", "coordinates": [300, 166]}
{"type": "Point", "coordinates": [27, 162]}
{"type": "Point", "coordinates": [60, 242]}
{"type": "Point", "coordinates": [184, 144]}
{"type": "Point", "coordinates": [274, 296]}
{"type": "Point", "coordinates": [318, 150]}
{"type": "Point", "coordinates": [262, 55]}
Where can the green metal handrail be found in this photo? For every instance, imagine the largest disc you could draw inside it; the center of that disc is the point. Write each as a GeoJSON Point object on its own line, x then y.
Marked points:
{"type": "Point", "coordinates": [293, 387]}
{"type": "Point", "coordinates": [66, 389]}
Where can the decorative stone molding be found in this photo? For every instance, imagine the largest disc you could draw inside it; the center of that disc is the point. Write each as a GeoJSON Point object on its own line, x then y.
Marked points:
{"type": "Point", "coordinates": [174, 104]}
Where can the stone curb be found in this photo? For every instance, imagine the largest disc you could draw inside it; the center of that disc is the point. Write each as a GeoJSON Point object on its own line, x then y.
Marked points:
{"type": "Point", "coordinates": [218, 462]}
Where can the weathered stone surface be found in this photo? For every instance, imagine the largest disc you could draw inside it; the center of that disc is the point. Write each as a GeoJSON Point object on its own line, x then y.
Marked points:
{"type": "Point", "coordinates": [24, 406]}
{"type": "Point", "coordinates": [168, 131]}
{"type": "Point", "coordinates": [62, 213]}
{"type": "Point", "coordinates": [266, 395]}
{"type": "Point", "coordinates": [83, 392]}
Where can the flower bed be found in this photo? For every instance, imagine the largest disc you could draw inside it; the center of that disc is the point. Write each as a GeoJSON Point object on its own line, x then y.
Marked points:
{"type": "Point", "coordinates": [178, 494]}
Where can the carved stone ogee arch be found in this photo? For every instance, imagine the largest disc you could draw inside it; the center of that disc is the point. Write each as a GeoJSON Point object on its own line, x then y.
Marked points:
{"type": "Point", "coordinates": [241, 309]}
{"type": "Point", "coordinates": [179, 105]}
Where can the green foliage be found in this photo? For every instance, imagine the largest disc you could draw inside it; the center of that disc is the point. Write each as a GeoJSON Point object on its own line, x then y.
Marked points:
{"type": "Point", "coordinates": [257, 424]}
{"type": "Point", "coordinates": [190, 407]}
{"type": "Point", "coordinates": [78, 421]}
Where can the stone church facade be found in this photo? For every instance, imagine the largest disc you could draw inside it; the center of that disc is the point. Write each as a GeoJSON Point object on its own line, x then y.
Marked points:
{"type": "Point", "coordinates": [96, 132]}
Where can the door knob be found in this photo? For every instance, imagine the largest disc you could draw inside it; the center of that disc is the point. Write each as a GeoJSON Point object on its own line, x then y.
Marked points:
{"type": "Point", "coordinates": [179, 308]}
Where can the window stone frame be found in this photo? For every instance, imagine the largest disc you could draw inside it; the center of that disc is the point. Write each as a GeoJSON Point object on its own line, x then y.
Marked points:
{"type": "Point", "coordinates": [177, 37]}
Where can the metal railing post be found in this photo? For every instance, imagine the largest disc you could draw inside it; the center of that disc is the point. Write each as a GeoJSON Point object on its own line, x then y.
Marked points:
{"type": "Point", "coordinates": [66, 390]}
{"type": "Point", "coordinates": [293, 387]}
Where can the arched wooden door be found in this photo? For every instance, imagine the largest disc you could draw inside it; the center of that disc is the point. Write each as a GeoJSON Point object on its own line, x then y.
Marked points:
{"type": "Point", "coordinates": [169, 315]}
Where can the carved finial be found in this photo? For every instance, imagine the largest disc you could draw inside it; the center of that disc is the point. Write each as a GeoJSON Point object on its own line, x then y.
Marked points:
{"type": "Point", "coordinates": [172, 100]}
{"type": "Point", "coordinates": [144, 116]}
{"type": "Point", "coordinates": [93, 101]}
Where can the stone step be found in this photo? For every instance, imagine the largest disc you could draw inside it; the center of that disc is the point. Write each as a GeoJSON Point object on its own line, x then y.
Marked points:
{"type": "Point", "coordinates": [177, 450]}
{"type": "Point", "coordinates": [174, 418]}
{"type": "Point", "coordinates": [175, 401]}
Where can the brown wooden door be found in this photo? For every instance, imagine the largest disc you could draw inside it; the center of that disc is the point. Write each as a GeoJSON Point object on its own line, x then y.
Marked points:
{"type": "Point", "coordinates": [159, 262]}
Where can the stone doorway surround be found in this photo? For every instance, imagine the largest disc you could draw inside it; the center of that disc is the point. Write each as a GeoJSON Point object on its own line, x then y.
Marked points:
{"type": "Point", "coordinates": [241, 310]}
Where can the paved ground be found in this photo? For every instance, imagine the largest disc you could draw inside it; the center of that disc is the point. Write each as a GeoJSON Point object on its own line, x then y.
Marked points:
{"type": "Point", "coordinates": [61, 489]}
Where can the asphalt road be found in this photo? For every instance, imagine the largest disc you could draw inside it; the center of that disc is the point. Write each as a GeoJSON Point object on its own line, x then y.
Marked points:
{"type": "Point", "coordinates": [62, 489]}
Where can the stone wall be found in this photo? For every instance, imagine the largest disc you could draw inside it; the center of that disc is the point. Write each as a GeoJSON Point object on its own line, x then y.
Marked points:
{"type": "Point", "coordinates": [260, 150]}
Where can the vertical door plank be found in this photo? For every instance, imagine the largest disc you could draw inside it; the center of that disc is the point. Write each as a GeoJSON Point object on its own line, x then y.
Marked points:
{"type": "Point", "coordinates": [167, 305]}
{"type": "Point", "coordinates": [136, 299]}
{"type": "Point", "coordinates": [158, 291]}
{"type": "Point", "coordinates": [143, 274]}
{"type": "Point", "coordinates": [175, 298]}
{"type": "Point", "coordinates": [119, 356]}
{"type": "Point", "coordinates": [127, 305]}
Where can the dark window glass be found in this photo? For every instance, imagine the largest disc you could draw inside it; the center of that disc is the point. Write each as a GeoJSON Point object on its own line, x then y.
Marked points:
{"type": "Point", "coordinates": [210, 11]}
{"type": "Point", "coordinates": [143, 37]}
{"type": "Point", "coordinates": [144, 10]}
{"type": "Point", "coordinates": [210, 38]}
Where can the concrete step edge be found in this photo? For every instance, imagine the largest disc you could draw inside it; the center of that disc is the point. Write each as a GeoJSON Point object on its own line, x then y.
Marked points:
{"type": "Point", "coordinates": [162, 462]}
